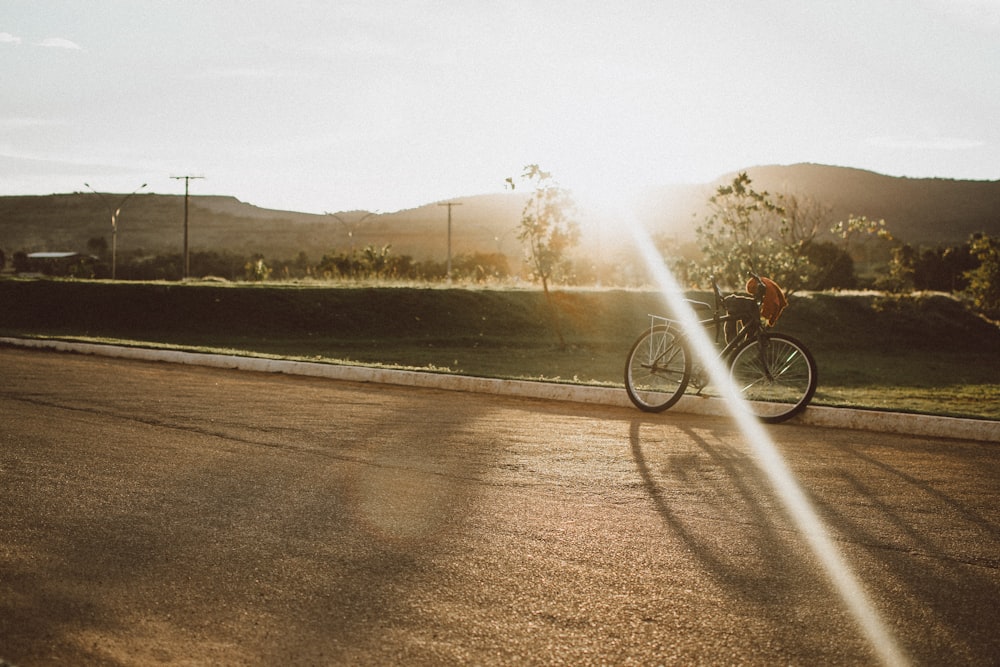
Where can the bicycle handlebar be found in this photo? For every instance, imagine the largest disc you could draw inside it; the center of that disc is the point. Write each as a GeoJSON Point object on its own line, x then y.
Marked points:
{"type": "Point", "coordinates": [759, 291]}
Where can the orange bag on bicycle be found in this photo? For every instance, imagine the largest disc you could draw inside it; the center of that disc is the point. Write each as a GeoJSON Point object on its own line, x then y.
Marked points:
{"type": "Point", "coordinates": [774, 301]}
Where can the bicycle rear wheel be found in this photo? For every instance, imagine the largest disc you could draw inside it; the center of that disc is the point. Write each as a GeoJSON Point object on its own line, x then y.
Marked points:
{"type": "Point", "coordinates": [778, 378]}
{"type": "Point", "coordinates": [657, 370]}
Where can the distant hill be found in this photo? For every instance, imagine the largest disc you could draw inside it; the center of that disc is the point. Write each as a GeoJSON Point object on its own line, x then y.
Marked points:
{"type": "Point", "coordinates": [154, 224]}
{"type": "Point", "coordinates": [919, 211]}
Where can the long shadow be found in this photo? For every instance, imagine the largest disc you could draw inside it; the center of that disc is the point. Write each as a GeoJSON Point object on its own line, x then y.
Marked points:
{"type": "Point", "coordinates": [940, 557]}
{"type": "Point", "coordinates": [742, 540]}
{"type": "Point", "coordinates": [977, 519]}
{"type": "Point", "coordinates": [940, 590]}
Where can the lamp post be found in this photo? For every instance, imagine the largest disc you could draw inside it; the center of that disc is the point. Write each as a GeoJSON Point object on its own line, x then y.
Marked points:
{"type": "Point", "coordinates": [114, 223]}
{"type": "Point", "coordinates": [350, 227]}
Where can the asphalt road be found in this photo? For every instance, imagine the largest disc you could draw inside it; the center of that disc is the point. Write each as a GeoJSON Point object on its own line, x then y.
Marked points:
{"type": "Point", "coordinates": [165, 514]}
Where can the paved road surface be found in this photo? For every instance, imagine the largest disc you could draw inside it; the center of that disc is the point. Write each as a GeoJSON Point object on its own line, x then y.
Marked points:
{"type": "Point", "coordinates": [159, 514]}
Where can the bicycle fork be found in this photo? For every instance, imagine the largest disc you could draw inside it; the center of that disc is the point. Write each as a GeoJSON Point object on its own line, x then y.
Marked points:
{"type": "Point", "coordinates": [763, 342]}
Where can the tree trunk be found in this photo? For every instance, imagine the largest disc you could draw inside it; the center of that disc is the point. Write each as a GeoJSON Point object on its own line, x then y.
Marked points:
{"type": "Point", "coordinates": [553, 313]}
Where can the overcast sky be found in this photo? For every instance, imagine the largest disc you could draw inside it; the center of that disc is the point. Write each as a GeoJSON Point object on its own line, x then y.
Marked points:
{"type": "Point", "coordinates": [379, 105]}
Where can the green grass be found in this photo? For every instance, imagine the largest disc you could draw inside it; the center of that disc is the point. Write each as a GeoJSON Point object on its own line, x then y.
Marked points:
{"type": "Point", "coordinates": [925, 355]}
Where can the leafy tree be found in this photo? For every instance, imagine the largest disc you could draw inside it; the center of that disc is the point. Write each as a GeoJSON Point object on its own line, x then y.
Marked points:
{"type": "Point", "coordinates": [256, 270]}
{"type": "Point", "coordinates": [831, 267]}
{"type": "Point", "coordinates": [337, 265]}
{"type": "Point", "coordinates": [984, 280]}
{"type": "Point", "coordinates": [430, 270]}
{"type": "Point", "coordinates": [804, 266]}
{"type": "Point", "coordinates": [746, 228]}
{"type": "Point", "coordinates": [375, 261]}
{"type": "Point", "coordinates": [481, 267]}
{"type": "Point", "coordinates": [370, 262]}
{"type": "Point", "coordinates": [300, 267]}
{"type": "Point", "coordinates": [858, 233]}
{"type": "Point", "coordinates": [943, 269]}
{"type": "Point", "coordinates": [547, 227]}
{"type": "Point", "coordinates": [547, 230]}
{"type": "Point", "coordinates": [900, 277]}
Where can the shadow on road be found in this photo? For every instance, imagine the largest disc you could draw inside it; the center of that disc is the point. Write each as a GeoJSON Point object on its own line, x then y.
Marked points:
{"type": "Point", "coordinates": [710, 494]}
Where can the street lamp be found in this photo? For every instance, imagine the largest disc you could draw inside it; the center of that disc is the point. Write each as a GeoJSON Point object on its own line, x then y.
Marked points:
{"type": "Point", "coordinates": [114, 222]}
{"type": "Point", "coordinates": [350, 227]}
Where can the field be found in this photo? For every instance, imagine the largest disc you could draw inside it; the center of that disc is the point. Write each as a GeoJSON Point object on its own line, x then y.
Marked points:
{"type": "Point", "coordinates": [923, 354]}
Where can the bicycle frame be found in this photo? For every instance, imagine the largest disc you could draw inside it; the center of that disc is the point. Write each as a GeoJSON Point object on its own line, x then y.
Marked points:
{"type": "Point", "coordinates": [718, 320]}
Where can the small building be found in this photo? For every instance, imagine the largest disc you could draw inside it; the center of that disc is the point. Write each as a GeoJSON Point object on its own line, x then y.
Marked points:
{"type": "Point", "coordinates": [74, 264]}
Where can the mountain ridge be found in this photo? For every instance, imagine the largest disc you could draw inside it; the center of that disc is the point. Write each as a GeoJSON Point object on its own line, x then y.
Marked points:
{"type": "Point", "coordinates": [920, 211]}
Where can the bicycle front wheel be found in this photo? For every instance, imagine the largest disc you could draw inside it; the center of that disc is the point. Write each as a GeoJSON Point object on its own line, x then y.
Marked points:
{"type": "Point", "coordinates": [777, 374]}
{"type": "Point", "coordinates": [657, 370]}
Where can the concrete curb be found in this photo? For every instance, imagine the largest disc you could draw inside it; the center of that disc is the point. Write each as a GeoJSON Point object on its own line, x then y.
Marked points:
{"type": "Point", "coordinates": [867, 420]}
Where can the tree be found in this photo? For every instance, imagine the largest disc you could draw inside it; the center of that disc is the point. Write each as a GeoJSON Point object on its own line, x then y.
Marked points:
{"type": "Point", "coordinates": [900, 277]}
{"type": "Point", "coordinates": [984, 280]}
{"type": "Point", "coordinates": [831, 267]}
{"type": "Point", "coordinates": [943, 269]}
{"type": "Point", "coordinates": [481, 267]}
{"type": "Point", "coordinates": [547, 230]}
{"type": "Point", "coordinates": [857, 233]}
{"type": "Point", "coordinates": [801, 221]}
{"type": "Point", "coordinates": [256, 270]}
{"type": "Point", "coordinates": [746, 228]}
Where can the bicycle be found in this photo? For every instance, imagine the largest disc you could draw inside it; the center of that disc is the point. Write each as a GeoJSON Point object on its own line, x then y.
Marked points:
{"type": "Point", "coordinates": [773, 371]}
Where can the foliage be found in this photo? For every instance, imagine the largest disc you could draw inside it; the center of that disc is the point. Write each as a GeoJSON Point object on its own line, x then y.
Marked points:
{"type": "Point", "coordinates": [548, 231]}
{"type": "Point", "coordinates": [859, 236]}
{"type": "Point", "coordinates": [371, 262]}
{"type": "Point", "coordinates": [860, 229]}
{"type": "Point", "coordinates": [943, 269]}
{"type": "Point", "coordinates": [479, 267]}
{"type": "Point", "coordinates": [984, 280]}
{"type": "Point", "coordinates": [931, 269]}
{"type": "Point", "coordinates": [899, 279]}
{"type": "Point", "coordinates": [138, 266]}
{"type": "Point", "coordinates": [750, 229]}
{"type": "Point", "coordinates": [547, 228]}
{"type": "Point", "coordinates": [830, 267]}
{"type": "Point", "coordinates": [73, 266]}
{"type": "Point", "coordinates": [256, 270]}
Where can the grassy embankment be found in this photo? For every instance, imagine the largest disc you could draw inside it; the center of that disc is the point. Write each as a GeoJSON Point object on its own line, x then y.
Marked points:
{"type": "Point", "coordinates": [924, 354]}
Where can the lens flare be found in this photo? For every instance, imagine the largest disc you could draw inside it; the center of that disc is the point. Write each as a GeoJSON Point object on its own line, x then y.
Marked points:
{"type": "Point", "coordinates": [771, 462]}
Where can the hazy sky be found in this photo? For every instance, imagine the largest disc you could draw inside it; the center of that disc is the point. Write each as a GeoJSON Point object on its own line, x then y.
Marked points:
{"type": "Point", "coordinates": [378, 105]}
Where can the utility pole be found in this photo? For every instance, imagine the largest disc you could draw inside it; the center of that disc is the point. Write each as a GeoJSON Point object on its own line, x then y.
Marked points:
{"type": "Point", "coordinates": [187, 180]}
{"type": "Point", "coordinates": [449, 205]}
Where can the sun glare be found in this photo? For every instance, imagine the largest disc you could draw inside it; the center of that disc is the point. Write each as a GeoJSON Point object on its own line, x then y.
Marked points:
{"type": "Point", "coordinates": [771, 463]}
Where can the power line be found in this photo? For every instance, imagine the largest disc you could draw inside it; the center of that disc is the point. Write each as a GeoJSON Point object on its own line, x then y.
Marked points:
{"type": "Point", "coordinates": [187, 180]}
